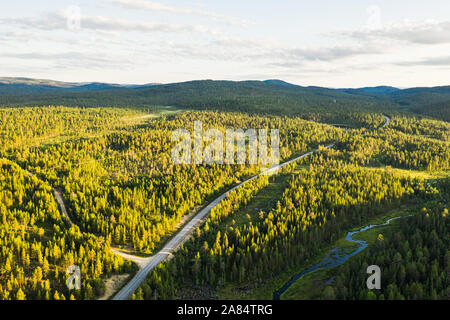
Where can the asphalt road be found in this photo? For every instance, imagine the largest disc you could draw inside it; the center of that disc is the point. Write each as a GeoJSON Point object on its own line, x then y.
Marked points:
{"type": "Point", "coordinates": [387, 120]}
{"type": "Point", "coordinates": [147, 264]}
{"type": "Point", "coordinates": [60, 200]}
{"type": "Point", "coordinates": [189, 228]}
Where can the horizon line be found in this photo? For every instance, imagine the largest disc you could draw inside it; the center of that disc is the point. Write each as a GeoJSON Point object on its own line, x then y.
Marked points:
{"type": "Point", "coordinates": [209, 79]}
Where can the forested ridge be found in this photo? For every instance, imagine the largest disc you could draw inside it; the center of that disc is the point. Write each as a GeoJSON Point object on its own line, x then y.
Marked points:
{"type": "Point", "coordinates": [263, 97]}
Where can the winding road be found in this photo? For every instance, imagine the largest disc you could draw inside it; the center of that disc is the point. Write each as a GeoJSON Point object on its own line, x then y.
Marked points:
{"type": "Point", "coordinates": [148, 264]}
{"type": "Point", "coordinates": [59, 198]}
{"type": "Point", "coordinates": [187, 230]}
{"type": "Point", "coordinates": [387, 120]}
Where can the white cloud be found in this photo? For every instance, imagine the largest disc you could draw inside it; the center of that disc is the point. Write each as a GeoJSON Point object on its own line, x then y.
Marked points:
{"type": "Point", "coordinates": [435, 61]}
{"type": "Point", "coordinates": [141, 43]}
{"type": "Point", "coordinates": [156, 6]}
{"type": "Point", "coordinates": [328, 54]}
{"type": "Point", "coordinates": [418, 32]}
{"type": "Point", "coordinates": [255, 51]}
{"type": "Point", "coordinates": [58, 21]}
{"type": "Point", "coordinates": [71, 60]}
{"type": "Point", "coordinates": [218, 47]}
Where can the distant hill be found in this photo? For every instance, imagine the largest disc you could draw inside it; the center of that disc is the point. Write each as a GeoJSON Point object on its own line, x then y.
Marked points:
{"type": "Point", "coordinates": [36, 82]}
{"type": "Point", "coordinates": [433, 101]}
{"type": "Point", "coordinates": [280, 83]}
{"type": "Point", "coordinates": [21, 86]}
{"type": "Point", "coordinates": [269, 96]}
{"type": "Point", "coordinates": [380, 90]}
{"type": "Point", "coordinates": [140, 85]}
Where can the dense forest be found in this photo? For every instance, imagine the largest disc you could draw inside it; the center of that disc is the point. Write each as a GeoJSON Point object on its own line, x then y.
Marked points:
{"type": "Point", "coordinates": [414, 259]}
{"type": "Point", "coordinates": [415, 262]}
{"type": "Point", "coordinates": [38, 243]}
{"type": "Point", "coordinates": [320, 202]}
{"type": "Point", "coordinates": [125, 186]}
{"type": "Point", "coordinates": [122, 191]}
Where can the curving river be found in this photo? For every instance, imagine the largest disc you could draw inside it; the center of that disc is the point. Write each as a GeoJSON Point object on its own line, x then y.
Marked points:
{"type": "Point", "coordinates": [334, 257]}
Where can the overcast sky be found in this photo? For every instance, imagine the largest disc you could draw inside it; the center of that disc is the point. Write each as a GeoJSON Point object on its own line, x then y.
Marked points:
{"type": "Point", "coordinates": [346, 43]}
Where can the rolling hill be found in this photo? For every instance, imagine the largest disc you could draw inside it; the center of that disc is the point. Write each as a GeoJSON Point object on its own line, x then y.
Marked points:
{"type": "Point", "coordinates": [268, 97]}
